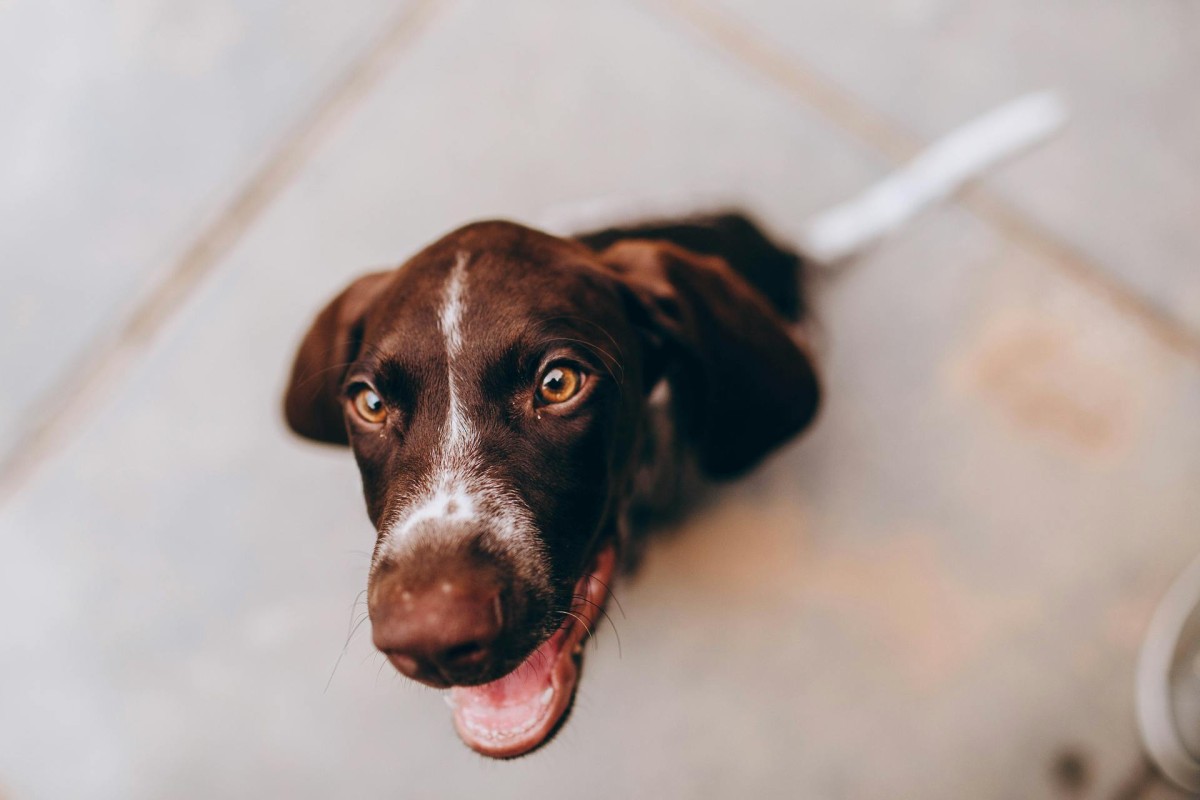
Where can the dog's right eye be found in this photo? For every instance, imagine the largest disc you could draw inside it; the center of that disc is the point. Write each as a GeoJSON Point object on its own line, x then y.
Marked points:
{"type": "Point", "coordinates": [369, 405]}
{"type": "Point", "coordinates": [559, 384]}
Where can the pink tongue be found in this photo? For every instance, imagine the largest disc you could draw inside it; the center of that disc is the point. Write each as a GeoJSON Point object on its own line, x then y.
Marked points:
{"type": "Point", "coordinates": [515, 703]}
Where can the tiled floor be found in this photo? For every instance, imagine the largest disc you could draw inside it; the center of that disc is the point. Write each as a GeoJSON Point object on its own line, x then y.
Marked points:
{"type": "Point", "coordinates": [937, 594]}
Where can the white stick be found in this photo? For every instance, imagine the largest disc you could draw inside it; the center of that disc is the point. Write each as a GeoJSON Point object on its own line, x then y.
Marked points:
{"type": "Point", "coordinates": [846, 229]}
{"type": "Point", "coordinates": [935, 174]}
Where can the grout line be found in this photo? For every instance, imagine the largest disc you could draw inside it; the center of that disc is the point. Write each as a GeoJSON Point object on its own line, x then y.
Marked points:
{"type": "Point", "coordinates": [98, 370]}
{"type": "Point", "coordinates": [1017, 226]}
{"type": "Point", "coordinates": [891, 140]}
{"type": "Point", "coordinates": [800, 78]}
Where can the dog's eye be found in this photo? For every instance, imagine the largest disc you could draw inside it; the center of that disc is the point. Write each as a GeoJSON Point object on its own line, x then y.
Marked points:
{"type": "Point", "coordinates": [559, 384]}
{"type": "Point", "coordinates": [369, 406]}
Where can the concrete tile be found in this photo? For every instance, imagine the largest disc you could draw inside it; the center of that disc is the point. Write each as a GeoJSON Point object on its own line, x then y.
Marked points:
{"type": "Point", "coordinates": [1116, 185]}
{"type": "Point", "coordinates": [930, 596]}
{"type": "Point", "coordinates": [128, 126]}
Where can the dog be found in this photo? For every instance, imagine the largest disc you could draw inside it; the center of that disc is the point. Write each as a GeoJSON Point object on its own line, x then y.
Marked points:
{"type": "Point", "coordinates": [521, 406]}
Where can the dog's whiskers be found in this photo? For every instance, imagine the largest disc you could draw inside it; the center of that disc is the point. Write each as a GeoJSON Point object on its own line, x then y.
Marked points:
{"type": "Point", "coordinates": [600, 608]}
{"type": "Point", "coordinates": [379, 671]}
{"type": "Point", "coordinates": [599, 327]}
{"type": "Point", "coordinates": [581, 620]}
{"type": "Point", "coordinates": [604, 362]}
{"type": "Point", "coordinates": [355, 624]}
{"type": "Point", "coordinates": [611, 593]}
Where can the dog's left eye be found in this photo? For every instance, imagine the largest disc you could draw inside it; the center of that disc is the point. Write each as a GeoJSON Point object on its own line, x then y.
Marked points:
{"type": "Point", "coordinates": [559, 384]}
{"type": "Point", "coordinates": [369, 405]}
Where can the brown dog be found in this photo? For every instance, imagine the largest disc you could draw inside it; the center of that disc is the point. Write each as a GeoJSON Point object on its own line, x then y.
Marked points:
{"type": "Point", "coordinates": [512, 400]}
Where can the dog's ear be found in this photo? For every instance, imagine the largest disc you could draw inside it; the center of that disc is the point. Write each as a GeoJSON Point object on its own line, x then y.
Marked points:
{"type": "Point", "coordinates": [748, 385]}
{"type": "Point", "coordinates": [312, 404]}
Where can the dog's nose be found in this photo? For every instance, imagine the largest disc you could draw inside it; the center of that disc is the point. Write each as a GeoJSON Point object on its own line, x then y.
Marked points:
{"type": "Point", "coordinates": [442, 633]}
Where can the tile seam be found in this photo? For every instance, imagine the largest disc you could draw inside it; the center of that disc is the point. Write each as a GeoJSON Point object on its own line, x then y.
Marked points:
{"type": "Point", "coordinates": [91, 376]}
{"type": "Point", "coordinates": [889, 139]}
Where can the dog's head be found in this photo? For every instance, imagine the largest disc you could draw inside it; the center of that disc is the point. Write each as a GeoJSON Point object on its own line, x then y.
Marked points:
{"type": "Point", "coordinates": [494, 391]}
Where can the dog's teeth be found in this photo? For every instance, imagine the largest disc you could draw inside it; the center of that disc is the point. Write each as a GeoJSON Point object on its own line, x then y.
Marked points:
{"type": "Point", "coordinates": [547, 696]}
{"type": "Point", "coordinates": [578, 648]}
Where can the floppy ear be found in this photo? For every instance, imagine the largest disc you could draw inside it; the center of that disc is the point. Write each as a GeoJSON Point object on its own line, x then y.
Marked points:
{"type": "Point", "coordinates": [313, 402]}
{"type": "Point", "coordinates": [747, 384]}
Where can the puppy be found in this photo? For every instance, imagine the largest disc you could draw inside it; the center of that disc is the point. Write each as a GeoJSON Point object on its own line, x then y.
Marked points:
{"type": "Point", "coordinates": [513, 400]}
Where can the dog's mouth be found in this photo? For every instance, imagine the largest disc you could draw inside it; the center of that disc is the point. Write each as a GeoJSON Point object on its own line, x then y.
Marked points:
{"type": "Point", "coordinates": [516, 714]}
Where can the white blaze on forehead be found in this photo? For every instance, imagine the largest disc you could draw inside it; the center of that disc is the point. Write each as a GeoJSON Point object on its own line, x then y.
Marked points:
{"type": "Point", "coordinates": [458, 488]}
{"type": "Point", "coordinates": [450, 324]}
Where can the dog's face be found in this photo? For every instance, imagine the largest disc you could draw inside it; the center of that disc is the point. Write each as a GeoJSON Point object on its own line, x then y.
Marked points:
{"type": "Point", "coordinates": [493, 390]}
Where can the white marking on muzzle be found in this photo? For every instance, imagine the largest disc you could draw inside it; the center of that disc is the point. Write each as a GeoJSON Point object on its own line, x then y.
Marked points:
{"type": "Point", "coordinates": [459, 488]}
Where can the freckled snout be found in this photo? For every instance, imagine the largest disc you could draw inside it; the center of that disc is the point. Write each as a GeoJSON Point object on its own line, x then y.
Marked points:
{"type": "Point", "coordinates": [441, 630]}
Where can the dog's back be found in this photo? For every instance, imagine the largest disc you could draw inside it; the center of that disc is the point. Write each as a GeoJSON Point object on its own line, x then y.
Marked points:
{"type": "Point", "coordinates": [778, 273]}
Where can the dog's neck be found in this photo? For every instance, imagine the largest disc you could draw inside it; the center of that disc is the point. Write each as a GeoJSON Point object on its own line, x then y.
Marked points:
{"type": "Point", "coordinates": [666, 476]}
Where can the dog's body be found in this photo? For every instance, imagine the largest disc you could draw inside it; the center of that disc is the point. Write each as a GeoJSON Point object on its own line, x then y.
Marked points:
{"type": "Point", "coordinates": [668, 467]}
{"type": "Point", "coordinates": [518, 404]}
